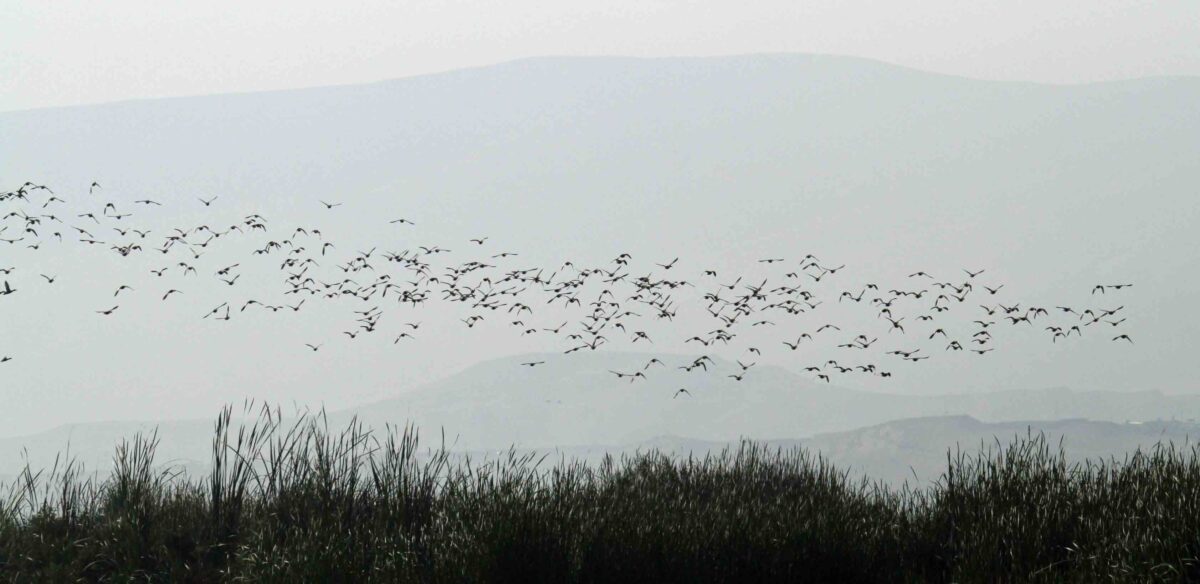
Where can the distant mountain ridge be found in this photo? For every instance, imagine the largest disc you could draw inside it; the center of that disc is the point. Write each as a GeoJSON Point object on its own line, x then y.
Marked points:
{"type": "Point", "coordinates": [577, 401]}
{"type": "Point", "coordinates": [567, 403]}
{"type": "Point", "coordinates": [721, 161]}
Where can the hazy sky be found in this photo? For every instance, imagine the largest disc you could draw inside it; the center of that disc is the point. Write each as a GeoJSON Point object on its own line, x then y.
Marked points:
{"type": "Point", "coordinates": [73, 52]}
{"type": "Point", "coordinates": [721, 161]}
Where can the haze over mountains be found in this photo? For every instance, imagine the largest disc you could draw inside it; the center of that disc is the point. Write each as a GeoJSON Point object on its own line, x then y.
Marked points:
{"type": "Point", "coordinates": [721, 161]}
{"type": "Point", "coordinates": [576, 408]}
{"type": "Point", "coordinates": [577, 401]}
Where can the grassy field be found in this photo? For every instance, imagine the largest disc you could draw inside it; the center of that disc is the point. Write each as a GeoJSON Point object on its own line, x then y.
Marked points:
{"type": "Point", "coordinates": [298, 502]}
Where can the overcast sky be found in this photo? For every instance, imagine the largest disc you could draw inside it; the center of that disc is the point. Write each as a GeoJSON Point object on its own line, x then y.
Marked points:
{"type": "Point", "coordinates": [74, 52]}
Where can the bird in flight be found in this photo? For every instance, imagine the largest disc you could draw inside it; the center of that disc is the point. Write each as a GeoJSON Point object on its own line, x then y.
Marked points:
{"type": "Point", "coordinates": [313, 347]}
{"type": "Point", "coordinates": [679, 391]}
{"type": "Point", "coordinates": [330, 205]}
{"type": "Point", "coordinates": [1123, 338]}
{"type": "Point", "coordinates": [632, 376]}
{"type": "Point", "coordinates": [533, 363]}
{"type": "Point", "coordinates": [109, 311]}
{"type": "Point", "coordinates": [208, 202]}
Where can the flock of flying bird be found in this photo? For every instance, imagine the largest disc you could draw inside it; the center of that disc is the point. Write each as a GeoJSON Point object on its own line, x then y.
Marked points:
{"type": "Point", "coordinates": [34, 216]}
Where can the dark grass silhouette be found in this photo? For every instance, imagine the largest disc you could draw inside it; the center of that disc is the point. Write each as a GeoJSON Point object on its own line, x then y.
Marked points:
{"type": "Point", "coordinates": [293, 501]}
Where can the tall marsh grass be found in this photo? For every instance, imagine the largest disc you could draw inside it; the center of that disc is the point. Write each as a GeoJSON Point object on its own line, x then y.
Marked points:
{"type": "Point", "coordinates": [297, 502]}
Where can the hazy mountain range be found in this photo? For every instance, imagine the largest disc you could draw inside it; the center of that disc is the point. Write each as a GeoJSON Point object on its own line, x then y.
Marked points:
{"type": "Point", "coordinates": [582, 410]}
{"type": "Point", "coordinates": [720, 161]}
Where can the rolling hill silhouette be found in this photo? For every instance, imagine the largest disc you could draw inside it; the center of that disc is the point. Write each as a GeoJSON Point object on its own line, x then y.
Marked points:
{"type": "Point", "coordinates": [579, 408]}
{"type": "Point", "coordinates": [722, 160]}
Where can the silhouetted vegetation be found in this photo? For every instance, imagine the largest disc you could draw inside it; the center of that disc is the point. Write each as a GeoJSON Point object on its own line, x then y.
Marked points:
{"type": "Point", "coordinates": [295, 502]}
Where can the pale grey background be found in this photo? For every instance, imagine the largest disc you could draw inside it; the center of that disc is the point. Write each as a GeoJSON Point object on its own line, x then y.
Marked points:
{"type": "Point", "coordinates": [721, 161]}
{"type": "Point", "coordinates": [59, 53]}
{"type": "Point", "coordinates": [973, 154]}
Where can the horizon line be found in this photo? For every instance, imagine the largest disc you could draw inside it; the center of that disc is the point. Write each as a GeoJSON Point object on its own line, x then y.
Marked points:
{"type": "Point", "coordinates": [610, 57]}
